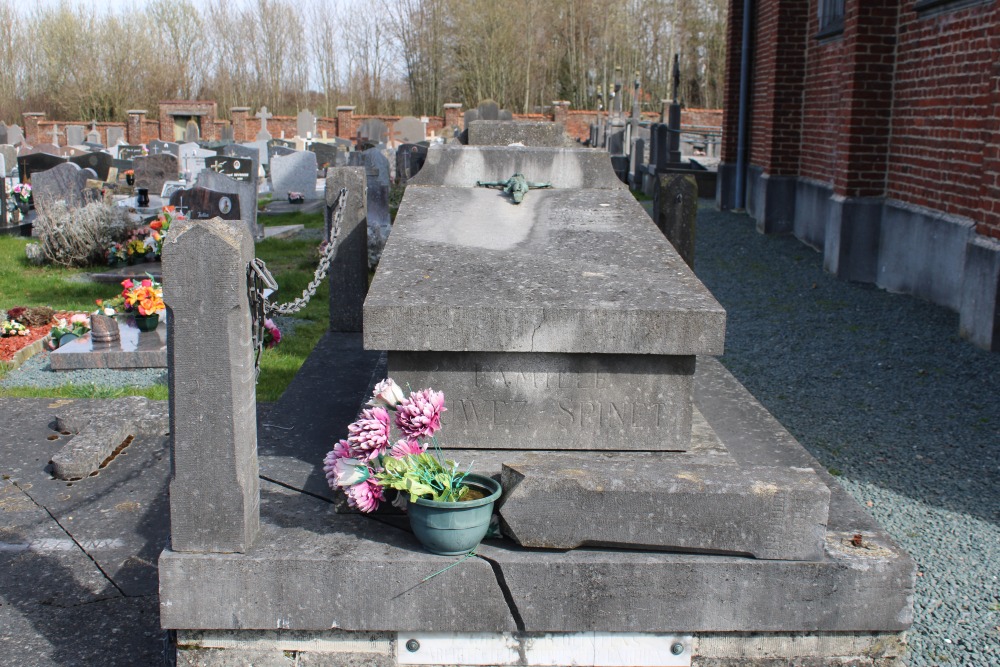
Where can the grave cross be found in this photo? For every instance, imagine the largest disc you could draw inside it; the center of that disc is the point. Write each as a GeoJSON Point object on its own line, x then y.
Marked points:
{"type": "Point", "coordinates": [264, 115]}
{"type": "Point", "coordinates": [181, 208]}
{"type": "Point", "coordinates": [55, 134]}
{"type": "Point", "coordinates": [93, 126]}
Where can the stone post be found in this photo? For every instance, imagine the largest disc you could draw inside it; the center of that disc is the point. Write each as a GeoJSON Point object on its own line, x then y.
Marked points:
{"type": "Point", "coordinates": [31, 121]}
{"type": "Point", "coordinates": [133, 131]}
{"type": "Point", "coordinates": [215, 491]}
{"type": "Point", "coordinates": [345, 122]}
{"type": "Point", "coordinates": [664, 110]}
{"type": "Point", "coordinates": [238, 116]}
{"type": "Point", "coordinates": [560, 111]}
{"type": "Point", "coordinates": [675, 211]}
{"type": "Point", "coordinates": [349, 269]}
{"type": "Point", "coordinates": [452, 117]}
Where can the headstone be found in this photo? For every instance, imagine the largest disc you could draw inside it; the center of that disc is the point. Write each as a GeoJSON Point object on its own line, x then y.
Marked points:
{"type": "Point", "coordinates": [126, 152]}
{"type": "Point", "coordinates": [10, 158]}
{"type": "Point", "coordinates": [73, 151]}
{"type": "Point", "coordinates": [171, 187]}
{"type": "Point", "coordinates": [295, 172]}
{"type": "Point", "coordinates": [14, 135]}
{"type": "Point", "coordinates": [284, 143]}
{"type": "Point", "coordinates": [377, 176]}
{"type": "Point", "coordinates": [202, 262]}
{"type": "Point", "coordinates": [637, 158]}
{"type": "Point", "coordinates": [409, 160]}
{"type": "Point", "coordinates": [260, 155]}
{"type": "Point", "coordinates": [469, 116]}
{"type": "Point", "coordinates": [48, 148]}
{"type": "Point", "coordinates": [616, 141]}
{"type": "Point", "coordinates": [116, 135]}
{"type": "Point", "coordinates": [152, 171]}
{"type": "Point", "coordinates": [245, 192]}
{"type": "Point", "coordinates": [349, 268]}
{"type": "Point", "coordinates": [65, 182]}
{"type": "Point", "coordinates": [675, 212]}
{"type": "Point", "coordinates": [193, 158]}
{"type": "Point", "coordinates": [326, 154]}
{"type": "Point", "coordinates": [373, 130]}
{"type": "Point", "coordinates": [156, 147]}
{"type": "Point", "coordinates": [36, 162]}
{"type": "Point", "coordinates": [505, 114]}
{"type": "Point", "coordinates": [74, 135]}
{"type": "Point", "coordinates": [192, 133]}
{"type": "Point", "coordinates": [263, 115]}
{"type": "Point", "coordinates": [122, 165]}
{"type": "Point", "coordinates": [94, 136]}
{"type": "Point", "coordinates": [278, 149]}
{"type": "Point", "coordinates": [199, 203]}
{"type": "Point", "coordinates": [305, 124]}
{"type": "Point", "coordinates": [408, 130]}
{"type": "Point", "coordinates": [237, 168]}
{"type": "Point", "coordinates": [100, 162]}
{"type": "Point", "coordinates": [489, 110]}
{"type": "Point", "coordinates": [245, 151]}
{"type": "Point", "coordinates": [227, 134]}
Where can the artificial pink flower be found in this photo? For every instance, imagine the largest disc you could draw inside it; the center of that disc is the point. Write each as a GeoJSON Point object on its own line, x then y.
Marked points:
{"type": "Point", "coordinates": [349, 472]}
{"type": "Point", "coordinates": [419, 415]}
{"type": "Point", "coordinates": [407, 447]}
{"type": "Point", "coordinates": [342, 450]}
{"type": "Point", "coordinates": [369, 435]}
{"type": "Point", "coordinates": [80, 318]}
{"type": "Point", "coordinates": [365, 496]}
{"type": "Point", "coordinates": [387, 393]}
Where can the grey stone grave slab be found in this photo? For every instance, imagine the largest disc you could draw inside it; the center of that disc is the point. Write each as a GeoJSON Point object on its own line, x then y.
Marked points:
{"type": "Point", "coordinates": [504, 133]}
{"type": "Point", "coordinates": [251, 151]}
{"type": "Point", "coordinates": [134, 349]}
{"type": "Point", "coordinates": [675, 212]}
{"type": "Point", "coordinates": [192, 133]}
{"type": "Point", "coordinates": [295, 172]}
{"type": "Point", "coordinates": [171, 187]}
{"type": "Point", "coordinates": [89, 448]}
{"type": "Point", "coordinates": [127, 152]}
{"type": "Point", "coordinates": [99, 161]}
{"type": "Point", "coordinates": [9, 153]}
{"type": "Point", "coordinates": [260, 155]}
{"type": "Point", "coordinates": [673, 504]}
{"type": "Point", "coordinates": [152, 171]}
{"type": "Point", "coordinates": [116, 135]}
{"type": "Point", "coordinates": [66, 182]}
{"type": "Point", "coordinates": [202, 204]}
{"type": "Point", "coordinates": [469, 116]}
{"type": "Point", "coordinates": [373, 130]}
{"type": "Point", "coordinates": [379, 225]}
{"type": "Point", "coordinates": [408, 130]}
{"type": "Point", "coordinates": [73, 151]}
{"type": "Point", "coordinates": [36, 162]}
{"type": "Point", "coordinates": [192, 158]}
{"type": "Point", "coordinates": [489, 110]}
{"type": "Point", "coordinates": [245, 191]}
{"type": "Point", "coordinates": [157, 147]}
{"type": "Point", "coordinates": [228, 136]}
{"type": "Point", "coordinates": [505, 114]}
{"type": "Point", "coordinates": [50, 149]}
{"type": "Point", "coordinates": [409, 160]}
{"type": "Point", "coordinates": [326, 154]}
{"type": "Point", "coordinates": [122, 166]}
{"type": "Point", "coordinates": [305, 124]}
{"type": "Point", "coordinates": [237, 168]}
{"type": "Point", "coordinates": [281, 143]}
{"type": "Point", "coordinates": [14, 135]}
{"type": "Point", "coordinates": [279, 149]}
{"type": "Point", "coordinates": [75, 134]}
{"type": "Point", "coordinates": [349, 269]}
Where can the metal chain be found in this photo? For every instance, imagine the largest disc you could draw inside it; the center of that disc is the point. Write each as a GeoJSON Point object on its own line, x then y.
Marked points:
{"type": "Point", "coordinates": [259, 279]}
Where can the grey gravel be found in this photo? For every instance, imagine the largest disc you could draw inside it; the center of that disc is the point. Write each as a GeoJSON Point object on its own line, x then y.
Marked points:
{"type": "Point", "coordinates": [37, 372]}
{"type": "Point", "coordinates": [880, 388]}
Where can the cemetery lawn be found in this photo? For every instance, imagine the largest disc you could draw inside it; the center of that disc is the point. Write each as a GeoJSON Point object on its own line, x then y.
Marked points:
{"type": "Point", "coordinates": [291, 261]}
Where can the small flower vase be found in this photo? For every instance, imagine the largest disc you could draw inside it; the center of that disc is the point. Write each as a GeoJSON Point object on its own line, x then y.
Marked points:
{"type": "Point", "coordinates": [147, 322]}
{"type": "Point", "coordinates": [455, 528]}
{"type": "Point", "coordinates": [142, 199]}
{"type": "Point", "coordinates": [24, 207]}
{"type": "Point", "coordinates": [130, 179]}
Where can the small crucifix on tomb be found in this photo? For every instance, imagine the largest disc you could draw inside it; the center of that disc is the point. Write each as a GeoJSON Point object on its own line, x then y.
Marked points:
{"type": "Point", "coordinates": [516, 186]}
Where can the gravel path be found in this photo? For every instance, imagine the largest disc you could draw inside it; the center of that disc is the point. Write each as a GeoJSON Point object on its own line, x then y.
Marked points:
{"type": "Point", "coordinates": [882, 391]}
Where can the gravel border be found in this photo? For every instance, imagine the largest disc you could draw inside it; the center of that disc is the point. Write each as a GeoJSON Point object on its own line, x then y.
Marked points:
{"type": "Point", "coordinates": [879, 388]}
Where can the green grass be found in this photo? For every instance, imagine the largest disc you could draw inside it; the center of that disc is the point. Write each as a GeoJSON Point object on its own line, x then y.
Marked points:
{"type": "Point", "coordinates": [292, 262]}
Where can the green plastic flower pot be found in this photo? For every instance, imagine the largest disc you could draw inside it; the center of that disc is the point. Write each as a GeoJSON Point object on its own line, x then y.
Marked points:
{"type": "Point", "coordinates": [452, 529]}
{"type": "Point", "coordinates": [147, 322]}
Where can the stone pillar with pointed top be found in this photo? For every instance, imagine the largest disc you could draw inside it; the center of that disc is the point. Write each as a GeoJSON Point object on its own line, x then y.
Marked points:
{"type": "Point", "coordinates": [133, 132]}
{"type": "Point", "coordinates": [345, 122]}
{"type": "Point", "coordinates": [215, 492]}
{"type": "Point", "coordinates": [31, 121]}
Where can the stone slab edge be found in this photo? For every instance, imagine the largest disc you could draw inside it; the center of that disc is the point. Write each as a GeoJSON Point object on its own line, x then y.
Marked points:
{"type": "Point", "coordinates": [29, 351]}
{"type": "Point", "coordinates": [85, 452]}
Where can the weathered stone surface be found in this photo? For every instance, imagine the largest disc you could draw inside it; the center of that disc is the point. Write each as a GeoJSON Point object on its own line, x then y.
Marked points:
{"type": "Point", "coordinates": [462, 166]}
{"type": "Point", "coordinates": [980, 309]}
{"type": "Point", "coordinates": [99, 161]}
{"type": "Point", "coordinates": [379, 224]}
{"type": "Point", "coordinates": [152, 171]}
{"type": "Point", "coordinates": [504, 133]}
{"type": "Point", "coordinates": [214, 495]}
{"type": "Point", "coordinates": [408, 130]}
{"type": "Point", "coordinates": [200, 203]}
{"type": "Point", "coordinates": [675, 211]}
{"type": "Point", "coordinates": [349, 269]}
{"type": "Point", "coordinates": [773, 513]}
{"type": "Point", "coordinates": [302, 542]}
{"type": "Point", "coordinates": [33, 163]}
{"type": "Point", "coordinates": [567, 270]}
{"type": "Point", "coordinates": [556, 401]}
{"type": "Point", "coordinates": [133, 349]}
{"type": "Point", "coordinates": [295, 172]}
{"type": "Point", "coordinates": [65, 182]}
{"type": "Point", "coordinates": [92, 446]}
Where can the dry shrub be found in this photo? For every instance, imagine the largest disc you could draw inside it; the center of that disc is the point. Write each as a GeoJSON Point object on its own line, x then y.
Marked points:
{"type": "Point", "coordinates": [79, 236]}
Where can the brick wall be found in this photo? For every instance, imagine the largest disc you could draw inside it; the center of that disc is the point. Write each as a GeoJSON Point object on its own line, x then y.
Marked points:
{"type": "Point", "coordinates": [731, 92]}
{"type": "Point", "coordinates": [946, 112]}
{"type": "Point", "coordinates": [824, 82]}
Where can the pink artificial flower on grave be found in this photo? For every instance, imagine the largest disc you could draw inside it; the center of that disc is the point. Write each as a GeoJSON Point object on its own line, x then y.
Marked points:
{"type": "Point", "coordinates": [365, 496]}
{"type": "Point", "coordinates": [349, 472]}
{"type": "Point", "coordinates": [419, 415]}
{"type": "Point", "coordinates": [369, 435]}
{"type": "Point", "coordinates": [405, 448]}
{"type": "Point", "coordinates": [80, 318]}
{"type": "Point", "coordinates": [387, 393]}
{"type": "Point", "coordinates": [342, 450]}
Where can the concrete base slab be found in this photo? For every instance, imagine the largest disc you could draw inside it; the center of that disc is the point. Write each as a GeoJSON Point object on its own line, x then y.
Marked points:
{"type": "Point", "coordinates": [135, 349]}
{"type": "Point", "coordinates": [980, 309]}
{"type": "Point", "coordinates": [861, 584]}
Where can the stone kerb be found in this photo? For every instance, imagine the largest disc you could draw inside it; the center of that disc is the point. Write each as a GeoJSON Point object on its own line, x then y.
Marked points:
{"type": "Point", "coordinates": [214, 493]}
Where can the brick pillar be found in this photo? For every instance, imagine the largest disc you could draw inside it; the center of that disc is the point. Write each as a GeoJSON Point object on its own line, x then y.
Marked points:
{"type": "Point", "coordinates": [452, 117]}
{"type": "Point", "coordinates": [238, 117]}
{"type": "Point", "coordinates": [560, 111]}
{"type": "Point", "coordinates": [31, 121]}
{"type": "Point", "coordinates": [133, 130]}
{"type": "Point", "coordinates": [345, 122]}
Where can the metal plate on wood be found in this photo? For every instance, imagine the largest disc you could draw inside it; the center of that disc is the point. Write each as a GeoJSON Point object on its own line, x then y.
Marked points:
{"type": "Point", "coordinates": [599, 649]}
